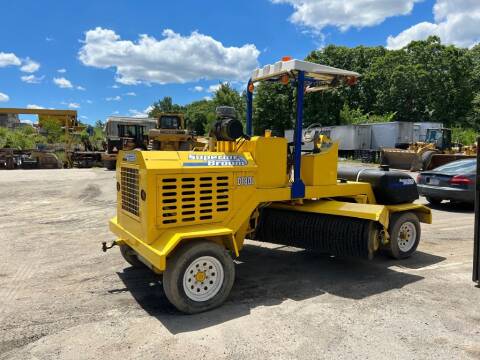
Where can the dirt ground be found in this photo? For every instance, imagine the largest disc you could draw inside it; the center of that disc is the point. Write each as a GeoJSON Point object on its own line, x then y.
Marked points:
{"type": "Point", "coordinates": [61, 297]}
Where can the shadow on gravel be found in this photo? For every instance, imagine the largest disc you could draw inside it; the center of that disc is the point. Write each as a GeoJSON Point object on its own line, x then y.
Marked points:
{"type": "Point", "coordinates": [266, 277]}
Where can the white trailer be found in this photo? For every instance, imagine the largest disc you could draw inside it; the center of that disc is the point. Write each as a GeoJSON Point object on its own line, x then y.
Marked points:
{"type": "Point", "coordinates": [420, 130]}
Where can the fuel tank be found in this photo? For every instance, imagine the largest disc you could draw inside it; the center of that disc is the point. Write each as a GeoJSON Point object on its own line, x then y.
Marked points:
{"type": "Point", "coordinates": [390, 187]}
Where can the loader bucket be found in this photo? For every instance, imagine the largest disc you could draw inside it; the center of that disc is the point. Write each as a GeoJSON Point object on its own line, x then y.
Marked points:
{"type": "Point", "coordinates": [401, 159]}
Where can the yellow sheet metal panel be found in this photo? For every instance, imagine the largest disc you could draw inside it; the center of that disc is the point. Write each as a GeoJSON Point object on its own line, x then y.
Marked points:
{"type": "Point", "coordinates": [193, 198]}
{"type": "Point", "coordinates": [424, 213]}
{"type": "Point", "coordinates": [270, 156]}
{"type": "Point", "coordinates": [320, 169]}
{"type": "Point", "coordinates": [340, 189]}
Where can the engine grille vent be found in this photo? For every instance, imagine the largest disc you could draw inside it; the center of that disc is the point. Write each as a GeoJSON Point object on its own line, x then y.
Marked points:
{"type": "Point", "coordinates": [129, 190]}
{"type": "Point", "coordinates": [192, 199]}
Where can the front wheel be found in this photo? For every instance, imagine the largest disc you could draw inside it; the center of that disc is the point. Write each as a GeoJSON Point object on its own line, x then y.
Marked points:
{"type": "Point", "coordinates": [130, 256]}
{"type": "Point", "coordinates": [198, 277]}
{"type": "Point", "coordinates": [404, 233]}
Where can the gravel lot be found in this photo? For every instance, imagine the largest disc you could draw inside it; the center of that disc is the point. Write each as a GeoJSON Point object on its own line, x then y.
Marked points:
{"type": "Point", "coordinates": [61, 297]}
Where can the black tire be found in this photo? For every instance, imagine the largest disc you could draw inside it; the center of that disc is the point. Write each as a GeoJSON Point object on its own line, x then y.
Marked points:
{"type": "Point", "coordinates": [130, 256]}
{"type": "Point", "coordinates": [185, 146]}
{"type": "Point", "coordinates": [110, 164]}
{"type": "Point", "coordinates": [426, 159]}
{"type": "Point", "coordinates": [396, 242]}
{"type": "Point", "coordinates": [177, 266]}
{"type": "Point", "coordinates": [433, 200]}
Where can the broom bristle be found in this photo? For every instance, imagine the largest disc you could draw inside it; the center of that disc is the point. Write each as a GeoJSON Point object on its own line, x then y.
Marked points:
{"type": "Point", "coordinates": [335, 235]}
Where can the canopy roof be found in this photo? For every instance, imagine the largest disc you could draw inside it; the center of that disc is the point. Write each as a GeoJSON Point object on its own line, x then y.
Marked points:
{"type": "Point", "coordinates": [312, 71]}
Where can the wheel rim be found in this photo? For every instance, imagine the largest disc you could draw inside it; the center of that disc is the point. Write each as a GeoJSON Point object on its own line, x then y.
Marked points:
{"type": "Point", "coordinates": [407, 235]}
{"type": "Point", "coordinates": [203, 278]}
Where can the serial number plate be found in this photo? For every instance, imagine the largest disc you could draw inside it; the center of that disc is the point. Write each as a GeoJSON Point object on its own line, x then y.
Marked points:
{"type": "Point", "coordinates": [245, 180]}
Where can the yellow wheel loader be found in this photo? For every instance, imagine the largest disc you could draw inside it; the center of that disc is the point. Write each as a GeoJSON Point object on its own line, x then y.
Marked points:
{"type": "Point", "coordinates": [186, 214]}
{"type": "Point", "coordinates": [171, 134]}
{"type": "Point", "coordinates": [436, 150]}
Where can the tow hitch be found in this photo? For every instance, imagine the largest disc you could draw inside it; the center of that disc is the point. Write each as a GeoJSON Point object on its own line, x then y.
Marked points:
{"type": "Point", "coordinates": [105, 247]}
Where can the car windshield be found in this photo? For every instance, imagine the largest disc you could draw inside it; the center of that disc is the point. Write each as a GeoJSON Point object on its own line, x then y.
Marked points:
{"type": "Point", "coordinates": [459, 167]}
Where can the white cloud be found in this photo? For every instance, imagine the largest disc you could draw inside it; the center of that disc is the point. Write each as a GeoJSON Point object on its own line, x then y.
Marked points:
{"type": "Point", "coordinates": [215, 87]}
{"type": "Point", "coordinates": [4, 97]}
{"type": "Point", "coordinates": [30, 66]}
{"type": "Point", "coordinates": [131, 93]}
{"type": "Point", "coordinates": [63, 83]}
{"type": "Point", "coordinates": [73, 105]}
{"type": "Point", "coordinates": [455, 22]}
{"type": "Point", "coordinates": [48, 39]}
{"type": "Point", "coordinates": [114, 98]}
{"type": "Point", "coordinates": [84, 117]}
{"type": "Point", "coordinates": [198, 88]}
{"type": "Point", "coordinates": [317, 14]}
{"type": "Point", "coordinates": [116, 112]}
{"type": "Point", "coordinates": [81, 88]}
{"type": "Point", "coordinates": [62, 71]}
{"type": "Point", "coordinates": [208, 98]}
{"type": "Point", "coordinates": [89, 101]}
{"type": "Point", "coordinates": [32, 79]}
{"type": "Point", "coordinates": [140, 114]}
{"type": "Point", "coordinates": [115, 86]}
{"type": "Point", "coordinates": [173, 59]}
{"type": "Point", "coordinates": [34, 106]}
{"type": "Point", "coordinates": [9, 59]}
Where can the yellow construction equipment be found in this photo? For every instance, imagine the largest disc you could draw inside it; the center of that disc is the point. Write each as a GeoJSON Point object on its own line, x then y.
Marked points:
{"type": "Point", "coordinates": [67, 119]}
{"type": "Point", "coordinates": [435, 151]}
{"type": "Point", "coordinates": [171, 134]}
{"type": "Point", "coordinates": [125, 133]}
{"type": "Point", "coordinates": [165, 133]}
{"type": "Point", "coordinates": [186, 214]}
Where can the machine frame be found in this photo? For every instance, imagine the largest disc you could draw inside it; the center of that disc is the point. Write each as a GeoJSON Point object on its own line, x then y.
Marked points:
{"type": "Point", "coordinates": [248, 175]}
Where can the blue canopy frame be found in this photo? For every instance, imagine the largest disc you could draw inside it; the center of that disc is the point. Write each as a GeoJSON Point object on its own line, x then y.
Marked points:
{"type": "Point", "coordinates": [298, 187]}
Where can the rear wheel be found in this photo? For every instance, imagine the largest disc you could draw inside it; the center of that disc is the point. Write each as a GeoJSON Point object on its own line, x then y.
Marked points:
{"type": "Point", "coordinates": [434, 200]}
{"type": "Point", "coordinates": [130, 256]}
{"type": "Point", "coordinates": [404, 233]}
{"type": "Point", "coordinates": [199, 277]}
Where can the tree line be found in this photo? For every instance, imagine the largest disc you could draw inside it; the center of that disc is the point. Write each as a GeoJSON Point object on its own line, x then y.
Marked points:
{"type": "Point", "coordinates": [424, 81]}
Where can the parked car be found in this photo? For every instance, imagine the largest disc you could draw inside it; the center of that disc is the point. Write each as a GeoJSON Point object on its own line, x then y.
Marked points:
{"type": "Point", "coordinates": [454, 181]}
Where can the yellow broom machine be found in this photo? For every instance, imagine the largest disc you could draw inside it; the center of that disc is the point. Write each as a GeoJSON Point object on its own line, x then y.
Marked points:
{"type": "Point", "coordinates": [186, 214]}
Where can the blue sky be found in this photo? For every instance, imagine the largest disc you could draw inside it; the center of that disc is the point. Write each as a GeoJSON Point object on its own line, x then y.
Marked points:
{"type": "Point", "coordinates": [88, 55]}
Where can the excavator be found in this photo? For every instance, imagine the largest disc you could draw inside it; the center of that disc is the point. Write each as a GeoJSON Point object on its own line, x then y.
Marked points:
{"type": "Point", "coordinates": [186, 214]}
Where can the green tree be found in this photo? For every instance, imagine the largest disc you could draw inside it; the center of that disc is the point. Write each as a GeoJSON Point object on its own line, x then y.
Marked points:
{"type": "Point", "coordinates": [23, 138]}
{"type": "Point", "coordinates": [225, 95]}
{"type": "Point", "coordinates": [53, 130]}
{"type": "Point", "coordinates": [273, 108]}
{"type": "Point", "coordinates": [197, 115]}
{"type": "Point", "coordinates": [165, 105]}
